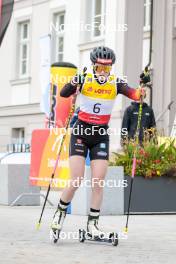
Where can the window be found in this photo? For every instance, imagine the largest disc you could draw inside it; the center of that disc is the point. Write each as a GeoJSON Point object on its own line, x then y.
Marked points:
{"type": "Point", "coordinates": [98, 18]}
{"type": "Point", "coordinates": [59, 19]}
{"type": "Point", "coordinates": [18, 135]}
{"type": "Point", "coordinates": [23, 49]}
{"type": "Point", "coordinates": [18, 141]}
{"type": "Point", "coordinates": [147, 10]}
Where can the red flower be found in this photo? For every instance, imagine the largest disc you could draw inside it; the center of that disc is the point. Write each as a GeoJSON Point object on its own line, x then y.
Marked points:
{"type": "Point", "coordinates": [142, 152]}
{"type": "Point", "coordinates": [157, 161]}
{"type": "Point", "coordinates": [138, 161]}
{"type": "Point", "coordinates": [154, 173]}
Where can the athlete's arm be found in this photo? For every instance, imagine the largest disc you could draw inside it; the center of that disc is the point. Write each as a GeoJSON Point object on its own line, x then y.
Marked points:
{"type": "Point", "coordinates": [123, 88]}
{"type": "Point", "coordinates": [71, 88]}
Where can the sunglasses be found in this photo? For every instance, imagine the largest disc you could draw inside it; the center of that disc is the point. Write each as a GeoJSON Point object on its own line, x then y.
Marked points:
{"type": "Point", "coordinates": [104, 68]}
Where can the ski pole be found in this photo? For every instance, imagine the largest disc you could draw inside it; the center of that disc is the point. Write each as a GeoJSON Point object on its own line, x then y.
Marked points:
{"type": "Point", "coordinates": [146, 70]}
{"type": "Point", "coordinates": [134, 161]}
{"type": "Point", "coordinates": [57, 160]}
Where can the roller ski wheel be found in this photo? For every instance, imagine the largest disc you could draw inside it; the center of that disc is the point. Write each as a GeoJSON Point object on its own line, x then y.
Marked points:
{"type": "Point", "coordinates": [114, 239]}
{"type": "Point", "coordinates": [82, 234]}
{"type": "Point", "coordinates": [54, 235]}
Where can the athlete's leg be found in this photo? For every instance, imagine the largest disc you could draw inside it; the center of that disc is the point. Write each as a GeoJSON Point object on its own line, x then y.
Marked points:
{"type": "Point", "coordinates": [98, 171]}
{"type": "Point", "coordinates": [77, 166]}
{"type": "Point", "coordinates": [78, 152]}
{"type": "Point", "coordinates": [99, 155]}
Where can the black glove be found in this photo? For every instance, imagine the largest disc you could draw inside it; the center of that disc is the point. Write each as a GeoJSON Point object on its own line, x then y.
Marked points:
{"type": "Point", "coordinates": [145, 77]}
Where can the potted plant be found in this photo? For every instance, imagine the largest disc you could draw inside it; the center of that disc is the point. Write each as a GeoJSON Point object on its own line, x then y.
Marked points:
{"type": "Point", "coordinates": [154, 188]}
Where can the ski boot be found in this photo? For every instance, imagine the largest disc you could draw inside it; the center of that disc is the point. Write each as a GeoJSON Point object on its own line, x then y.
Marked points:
{"type": "Point", "coordinates": [57, 224]}
{"type": "Point", "coordinates": [95, 234]}
{"type": "Point", "coordinates": [93, 230]}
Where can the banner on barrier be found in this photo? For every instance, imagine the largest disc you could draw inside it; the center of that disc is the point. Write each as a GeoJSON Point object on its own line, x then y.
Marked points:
{"type": "Point", "coordinates": [44, 152]}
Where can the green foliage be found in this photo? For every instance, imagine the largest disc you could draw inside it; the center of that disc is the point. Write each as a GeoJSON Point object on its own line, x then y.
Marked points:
{"type": "Point", "coordinates": [153, 160]}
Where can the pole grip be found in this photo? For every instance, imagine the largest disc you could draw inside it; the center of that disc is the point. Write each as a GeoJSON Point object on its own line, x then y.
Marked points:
{"type": "Point", "coordinates": [134, 167]}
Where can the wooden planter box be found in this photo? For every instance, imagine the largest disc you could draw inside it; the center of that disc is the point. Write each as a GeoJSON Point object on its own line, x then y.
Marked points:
{"type": "Point", "coordinates": [156, 195]}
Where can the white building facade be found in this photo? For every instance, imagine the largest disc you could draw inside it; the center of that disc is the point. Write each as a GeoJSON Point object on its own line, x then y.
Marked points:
{"type": "Point", "coordinates": [123, 25]}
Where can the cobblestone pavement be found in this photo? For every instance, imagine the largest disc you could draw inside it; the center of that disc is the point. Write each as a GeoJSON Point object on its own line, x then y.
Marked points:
{"type": "Point", "coordinates": [151, 239]}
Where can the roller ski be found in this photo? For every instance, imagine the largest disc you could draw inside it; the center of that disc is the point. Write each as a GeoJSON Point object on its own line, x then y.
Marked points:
{"type": "Point", "coordinates": [93, 233]}
{"type": "Point", "coordinates": [56, 225]}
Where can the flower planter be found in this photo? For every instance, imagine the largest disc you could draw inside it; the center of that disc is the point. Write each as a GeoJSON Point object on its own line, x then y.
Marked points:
{"type": "Point", "coordinates": [156, 195]}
